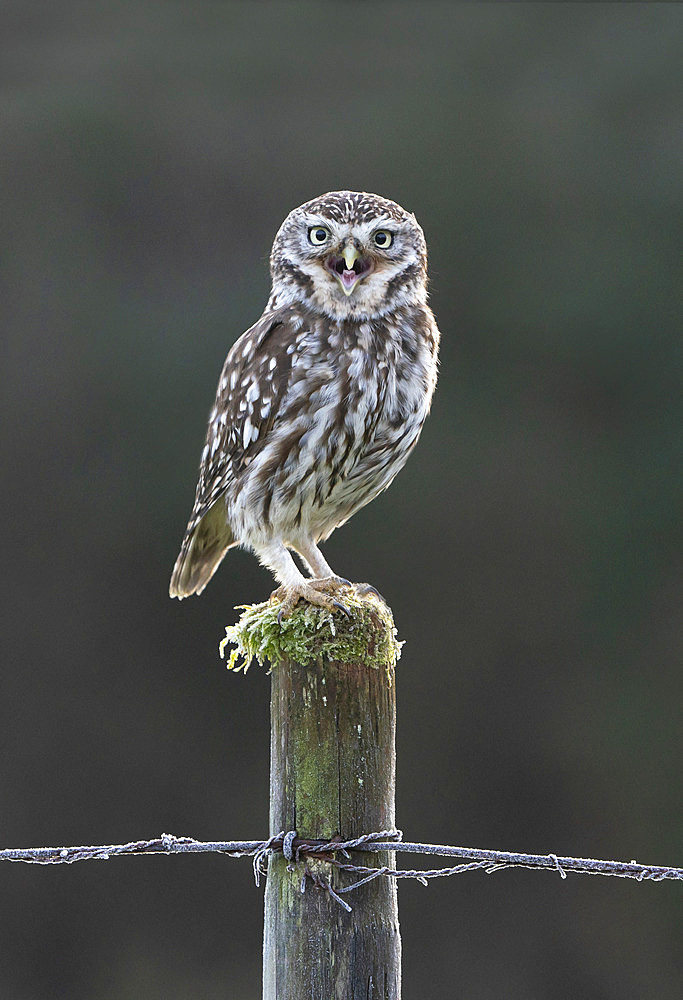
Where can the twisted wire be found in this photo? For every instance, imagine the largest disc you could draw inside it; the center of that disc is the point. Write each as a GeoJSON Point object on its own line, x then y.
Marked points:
{"type": "Point", "coordinates": [297, 849]}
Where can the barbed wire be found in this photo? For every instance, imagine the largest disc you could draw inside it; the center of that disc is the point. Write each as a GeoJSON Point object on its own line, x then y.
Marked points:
{"type": "Point", "coordinates": [300, 849]}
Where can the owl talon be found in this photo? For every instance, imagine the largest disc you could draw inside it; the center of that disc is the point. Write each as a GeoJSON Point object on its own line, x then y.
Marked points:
{"type": "Point", "coordinates": [363, 589]}
{"type": "Point", "coordinates": [319, 593]}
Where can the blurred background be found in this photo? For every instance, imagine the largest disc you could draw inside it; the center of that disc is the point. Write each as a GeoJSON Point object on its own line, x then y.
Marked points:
{"type": "Point", "coordinates": [529, 549]}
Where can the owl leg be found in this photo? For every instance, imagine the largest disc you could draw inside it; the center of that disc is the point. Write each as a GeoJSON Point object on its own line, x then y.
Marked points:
{"type": "Point", "coordinates": [294, 585]}
{"type": "Point", "coordinates": [318, 566]}
{"type": "Point", "coordinates": [320, 569]}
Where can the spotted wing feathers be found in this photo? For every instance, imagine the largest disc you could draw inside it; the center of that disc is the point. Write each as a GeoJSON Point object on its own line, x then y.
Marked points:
{"type": "Point", "coordinates": [250, 391]}
{"type": "Point", "coordinates": [201, 553]}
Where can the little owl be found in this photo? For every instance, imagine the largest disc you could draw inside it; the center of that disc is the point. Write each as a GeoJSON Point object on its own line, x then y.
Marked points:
{"type": "Point", "coordinates": [320, 403]}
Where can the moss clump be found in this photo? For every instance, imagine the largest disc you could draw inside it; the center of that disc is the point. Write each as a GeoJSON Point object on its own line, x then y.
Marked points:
{"type": "Point", "coordinates": [368, 634]}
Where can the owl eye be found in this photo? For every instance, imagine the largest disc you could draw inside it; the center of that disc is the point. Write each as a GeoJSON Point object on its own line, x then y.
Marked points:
{"type": "Point", "coordinates": [317, 235]}
{"type": "Point", "coordinates": [383, 238]}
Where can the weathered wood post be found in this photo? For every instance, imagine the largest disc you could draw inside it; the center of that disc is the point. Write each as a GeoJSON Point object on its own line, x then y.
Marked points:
{"type": "Point", "coordinates": [333, 719]}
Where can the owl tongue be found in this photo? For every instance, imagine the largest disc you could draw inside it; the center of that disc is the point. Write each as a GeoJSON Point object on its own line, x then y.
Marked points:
{"type": "Point", "coordinates": [349, 278]}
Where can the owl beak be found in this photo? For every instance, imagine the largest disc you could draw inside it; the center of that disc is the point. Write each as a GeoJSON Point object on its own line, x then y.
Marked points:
{"type": "Point", "coordinates": [350, 255]}
{"type": "Point", "coordinates": [349, 268]}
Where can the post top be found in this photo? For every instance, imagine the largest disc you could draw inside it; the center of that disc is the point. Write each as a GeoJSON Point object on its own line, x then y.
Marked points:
{"type": "Point", "coordinates": [366, 636]}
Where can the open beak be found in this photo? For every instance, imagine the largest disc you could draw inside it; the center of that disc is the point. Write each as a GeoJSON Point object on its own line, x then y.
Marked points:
{"type": "Point", "coordinates": [349, 268]}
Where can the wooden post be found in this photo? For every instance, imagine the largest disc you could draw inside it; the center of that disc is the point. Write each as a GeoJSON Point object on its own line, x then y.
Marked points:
{"type": "Point", "coordinates": [333, 762]}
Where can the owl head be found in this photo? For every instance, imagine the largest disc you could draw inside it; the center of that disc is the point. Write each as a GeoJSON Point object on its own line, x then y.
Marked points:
{"type": "Point", "coordinates": [349, 254]}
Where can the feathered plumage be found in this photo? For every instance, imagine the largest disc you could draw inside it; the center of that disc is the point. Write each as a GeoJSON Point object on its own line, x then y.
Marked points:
{"type": "Point", "coordinates": [321, 401]}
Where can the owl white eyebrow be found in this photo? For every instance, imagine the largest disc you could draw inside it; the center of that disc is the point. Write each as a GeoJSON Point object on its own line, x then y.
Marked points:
{"type": "Point", "coordinates": [319, 220]}
{"type": "Point", "coordinates": [366, 229]}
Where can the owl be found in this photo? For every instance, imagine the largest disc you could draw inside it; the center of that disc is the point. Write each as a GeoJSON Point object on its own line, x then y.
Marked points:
{"type": "Point", "coordinates": [320, 403]}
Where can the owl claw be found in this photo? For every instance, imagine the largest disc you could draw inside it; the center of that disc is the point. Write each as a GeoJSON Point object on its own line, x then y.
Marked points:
{"type": "Point", "coordinates": [320, 593]}
{"type": "Point", "coordinates": [367, 588]}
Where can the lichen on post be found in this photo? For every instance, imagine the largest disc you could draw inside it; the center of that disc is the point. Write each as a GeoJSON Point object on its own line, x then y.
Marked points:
{"type": "Point", "coordinates": [367, 634]}
{"type": "Point", "coordinates": [333, 766]}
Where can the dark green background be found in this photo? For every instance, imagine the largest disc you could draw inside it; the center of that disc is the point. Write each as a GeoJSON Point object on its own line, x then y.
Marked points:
{"type": "Point", "coordinates": [149, 152]}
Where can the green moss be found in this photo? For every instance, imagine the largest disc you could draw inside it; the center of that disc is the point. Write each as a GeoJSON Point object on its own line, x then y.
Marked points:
{"type": "Point", "coordinates": [368, 634]}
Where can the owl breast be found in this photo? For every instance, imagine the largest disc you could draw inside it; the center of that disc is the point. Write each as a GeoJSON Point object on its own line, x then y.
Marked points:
{"type": "Point", "coordinates": [356, 399]}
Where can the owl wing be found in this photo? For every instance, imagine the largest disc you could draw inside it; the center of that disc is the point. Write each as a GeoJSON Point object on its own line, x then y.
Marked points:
{"type": "Point", "coordinates": [250, 391]}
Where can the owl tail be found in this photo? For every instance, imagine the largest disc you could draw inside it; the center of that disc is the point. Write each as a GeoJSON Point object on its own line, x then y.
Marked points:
{"type": "Point", "coordinates": [201, 553]}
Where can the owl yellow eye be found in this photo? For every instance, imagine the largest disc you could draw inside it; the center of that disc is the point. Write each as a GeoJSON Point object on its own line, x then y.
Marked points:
{"type": "Point", "coordinates": [383, 239]}
{"type": "Point", "coordinates": [318, 235]}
